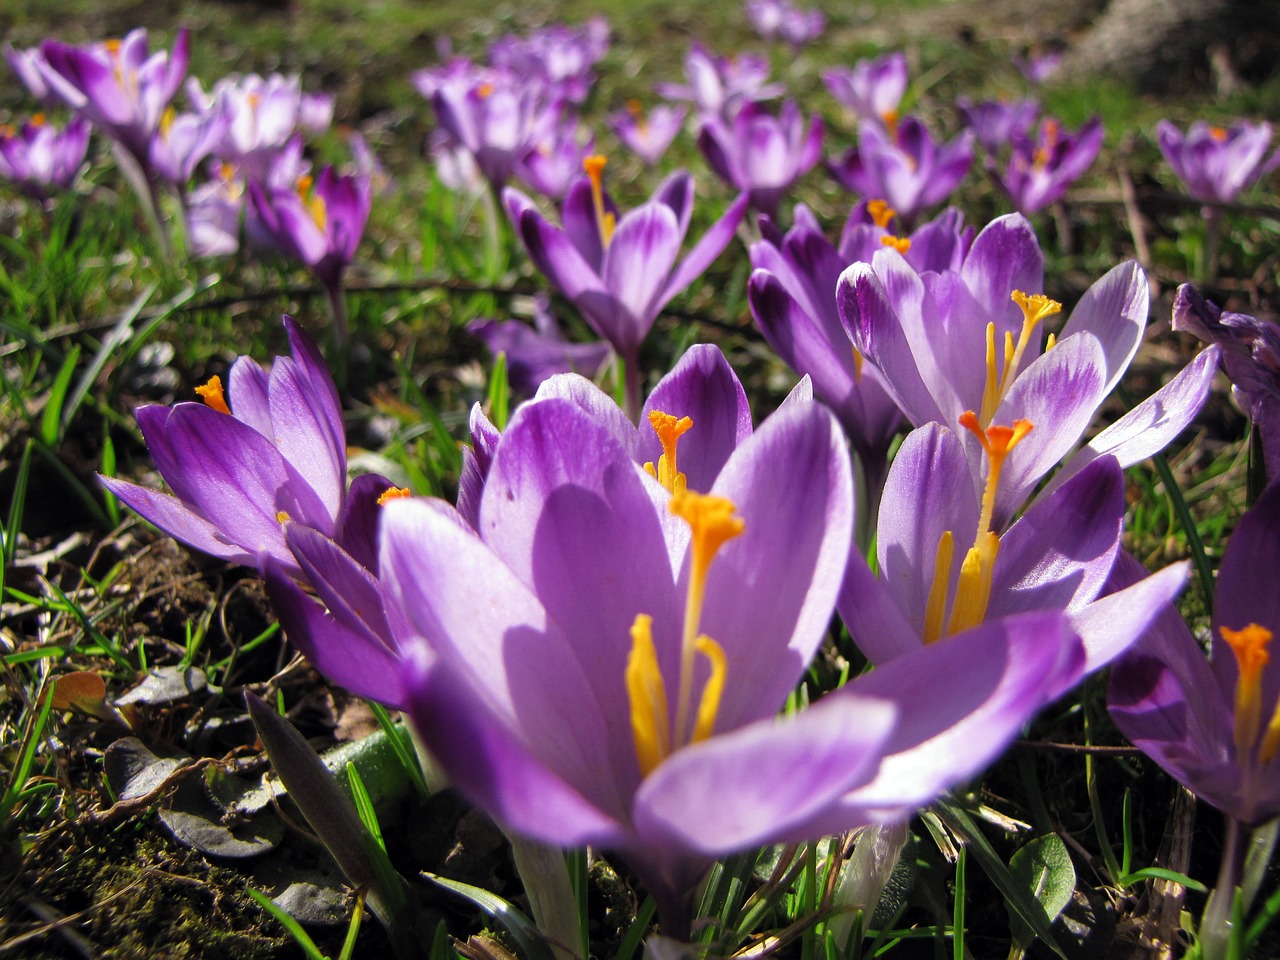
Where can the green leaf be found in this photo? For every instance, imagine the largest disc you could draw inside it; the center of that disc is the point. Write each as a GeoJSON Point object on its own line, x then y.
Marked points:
{"type": "Point", "coordinates": [50, 423]}
{"type": "Point", "coordinates": [521, 928]}
{"type": "Point", "coordinates": [1044, 868]}
{"type": "Point", "coordinates": [300, 936]}
{"type": "Point", "coordinates": [1017, 896]}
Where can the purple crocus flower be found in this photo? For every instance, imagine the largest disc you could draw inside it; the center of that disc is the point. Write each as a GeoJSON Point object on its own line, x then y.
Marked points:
{"type": "Point", "coordinates": [1217, 163]}
{"type": "Point", "coordinates": [262, 116]}
{"type": "Point", "coordinates": [760, 153]}
{"type": "Point", "coordinates": [1210, 724]}
{"type": "Point", "coordinates": [1056, 556]}
{"type": "Point", "coordinates": [1250, 357]}
{"type": "Point", "coordinates": [620, 272]}
{"type": "Point", "coordinates": [267, 449]}
{"type": "Point", "coordinates": [937, 245]}
{"type": "Point", "coordinates": [906, 167]}
{"type": "Point", "coordinates": [536, 353]}
{"type": "Point", "coordinates": [720, 85]}
{"type": "Point", "coordinates": [555, 155]}
{"type": "Point", "coordinates": [492, 113]}
{"type": "Point", "coordinates": [119, 86]}
{"type": "Point", "coordinates": [1038, 65]}
{"type": "Point", "coordinates": [997, 122]}
{"type": "Point", "coordinates": [558, 57]}
{"type": "Point", "coordinates": [320, 223]}
{"type": "Point", "coordinates": [183, 140]}
{"type": "Point", "coordinates": [26, 66]}
{"type": "Point", "coordinates": [783, 20]}
{"type": "Point", "coordinates": [1040, 170]}
{"type": "Point", "coordinates": [214, 211]}
{"type": "Point", "coordinates": [938, 339]}
{"type": "Point", "coordinates": [647, 135]}
{"type": "Point", "coordinates": [871, 89]}
{"type": "Point", "coordinates": [607, 657]}
{"type": "Point", "coordinates": [792, 297]}
{"type": "Point", "coordinates": [41, 159]}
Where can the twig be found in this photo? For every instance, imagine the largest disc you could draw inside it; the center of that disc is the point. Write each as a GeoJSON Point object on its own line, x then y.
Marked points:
{"type": "Point", "coordinates": [43, 911]}
{"type": "Point", "coordinates": [1076, 748]}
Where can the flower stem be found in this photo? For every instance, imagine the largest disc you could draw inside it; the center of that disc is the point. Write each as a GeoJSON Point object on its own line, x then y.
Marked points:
{"type": "Point", "coordinates": [1215, 927]}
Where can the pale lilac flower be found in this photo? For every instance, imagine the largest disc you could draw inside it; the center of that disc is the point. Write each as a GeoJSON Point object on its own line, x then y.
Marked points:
{"type": "Point", "coordinates": [118, 86]}
{"type": "Point", "coordinates": [214, 210]}
{"type": "Point", "coordinates": [906, 167]}
{"type": "Point", "coordinates": [558, 57]}
{"type": "Point", "coordinates": [1040, 170]}
{"type": "Point", "coordinates": [555, 155]}
{"type": "Point", "coordinates": [872, 89]}
{"type": "Point", "coordinates": [762, 154]}
{"type": "Point", "coordinates": [269, 448]}
{"type": "Point", "coordinates": [1217, 163]}
{"type": "Point", "coordinates": [1038, 66]}
{"type": "Point", "coordinates": [602, 671]}
{"type": "Point", "coordinates": [42, 159]}
{"type": "Point", "coordinates": [647, 135]}
{"type": "Point", "coordinates": [26, 65]}
{"type": "Point", "coordinates": [182, 141]}
{"type": "Point", "coordinates": [720, 85]}
{"type": "Point", "coordinates": [973, 340]}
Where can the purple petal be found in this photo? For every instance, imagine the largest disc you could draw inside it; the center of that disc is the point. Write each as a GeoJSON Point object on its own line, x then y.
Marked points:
{"type": "Point", "coordinates": [704, 252]}
{"type": "Point", "coordinates": [1114, 309]}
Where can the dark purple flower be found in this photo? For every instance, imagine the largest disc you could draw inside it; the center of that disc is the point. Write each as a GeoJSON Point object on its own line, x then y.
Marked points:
{"type": "Point", "coordinates": [1251, 358]}
{"type": "Point", "coordinates": [620, 272]}
{"type": "Point", "coordinates": [904, 167]}
{"type": "Point", "coordinates": [871, 89]}
{"type": "Point", "coordinates": [1212, 725]}
{"type": "Point", "coordinates": [41, 159]}
{"type": "Point", "coordinates": [760, 153]}
{"type": "Point", "coordinates": [1217, 163]}
{"type": "Point", "coordinates": [26, 65]}
{"type": "Point", "coordinates": [1040, 170]}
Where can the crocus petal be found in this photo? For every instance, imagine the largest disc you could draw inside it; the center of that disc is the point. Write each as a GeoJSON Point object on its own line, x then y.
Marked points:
{"type": "Point", "coordinates": [703, 253]}
{"type": "Point", "coordinates": [1152, 424]}
{"type": "Point", "coordinates": [981, 687]}
{"type": "Point", "coordinates": [1114, 309]}
{"type": "Point", "coordinates": [1109, 626]}
{"type": "Point", "coordinates": [247, 389]}
{"type": "Point", "coordinates": [174, 518]}
{"type": "Point", "coordinates": [601, 408]}
{"type": "Point", "coordinates": [496, 770]}
{"type": "Point", "coordinates": [1004, 257]}
{"type": "Point", "coordinates": [791, 482]}
{"type": "Point", "coordinates": [1058, 554]}
{"type": "Point", "coordinates": [637, 263]}
{"type": "Point", "coordinates": [770, 779]}
{"type": "Point", "coordinates": [703, 387]}
{"type": "Point", "coordinates": [927, 492]}
{"type": "Point", "coordinates": [874, 620]}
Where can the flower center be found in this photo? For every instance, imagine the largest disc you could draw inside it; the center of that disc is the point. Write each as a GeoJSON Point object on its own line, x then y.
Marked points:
{"type": "Point", "coordinates": [881, 213]}
{"type": "Point", "coordinates": [1249, 644]}
{"type": "Point", "coordinates": [312, 202]}
{"type": "Point", "coordinates": [605, 221]}
{"type": "Point", "coordinates": [669, 430]}
{"type": "Point", "coordinates": [393, 493]}
{"type": "Point", "coordinates": [890, 119]}
{"type": "Point", "coordinates": [1218, 133]}
{"type": "Point", "coordinates": [1035, 307]}
{"type": "Point", "coordinates": [636, 109]}
{"type": "Point", "coordinates": [973, 592]}
{"type": "Point", "coordinates": [211, 393]}
{"type": "Point", "coordinates": [1048, 141]}
{"type": "Point", "coordinates": [713, 524]}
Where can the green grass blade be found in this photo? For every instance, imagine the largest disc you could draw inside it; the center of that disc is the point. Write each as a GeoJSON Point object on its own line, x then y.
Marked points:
{"type": "Point", "coordinates": [300, 936]}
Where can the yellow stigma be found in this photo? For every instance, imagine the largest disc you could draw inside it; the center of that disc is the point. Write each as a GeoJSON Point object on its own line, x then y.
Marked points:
{"type": "Point", "coordinates": [1043, 152]}
{"type": "Point", "coordinates": [890, 118]}
{"type": "Point", "coordinates": [669, 430]}
{"type": "Point", "coordinates": [6, 130]}
{"type": "Point", "coordinates": [636, 109]}
{"type": "Point", "coordinates": [594, 167]}
{"type": "Point", "coordinates": [112, 46]}
{"type": "Point", "coordinates": [973, 591]}
{"type": "Point", "coordinates": [713, 524]}
{"type": "Point", "coordinates": [880, 213]}
{"type": "Point", "coordinates": [38, 120]}
{"type": "Point", "coordinates": [282, 517]}
{"type": "Point", "coordinates": [393, 493]}
{"type": "Point", "coordinates": [211, 393]}
{"type": "Point", "coordinates": [858, 361]}
{"type": "Point", "coordinates": [1218, 133]}
{"type": "Point", "coordinates": [253, 100]}
{"type": "Point", "coordinates": [1035, 307]}
{"type": "Point", "coordinates": [484, 91]}
{"type": "Point", "coordinates": [1249, 644]}
{"type": "Point", "coordinates": [901, 244]}
{"type": "Point", "coordinates": [313, 202]}
{"type": "Point", "coordinates": [166, 121]}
